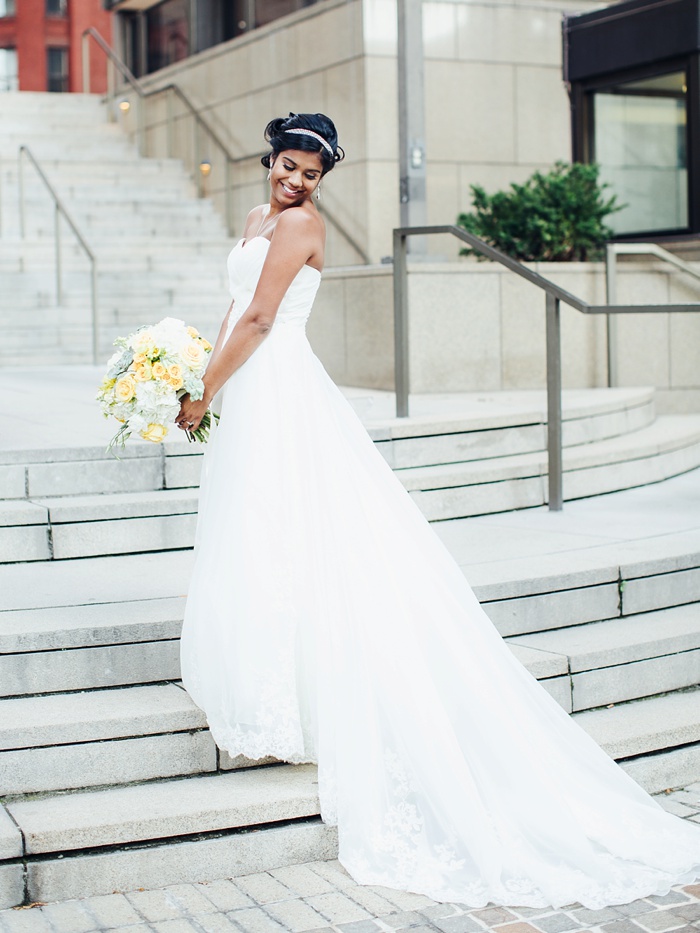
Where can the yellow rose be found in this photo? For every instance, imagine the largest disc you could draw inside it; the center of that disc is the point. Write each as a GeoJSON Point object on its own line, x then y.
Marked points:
{"type": "Point", "coordinates": [205, 343]}
{"type": "Point", "coordinates": [139, 358]}
{"type": "Point", "coordinates": [154, 432]}
{"type": "Point", "coordinates": [142, 372]}
{"type": "Point", "coordinates": [125, 389]}
{"type": "Point", "coordinates": [166, 378]}
{"type": "Point", "coordinates": [192, 331]}
{"type": "Point", "coordinates": [158, 370]}
{"type": "Point", "coordinates": [193, 354]}
{"type": "Point", "coordinates": [175, 371]}
{"type": "Point", "coordinates": [177, 384]}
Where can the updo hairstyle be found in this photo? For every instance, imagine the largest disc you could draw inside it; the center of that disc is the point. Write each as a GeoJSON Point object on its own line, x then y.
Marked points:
{"type": "Point", "coordinates": [280, 139]}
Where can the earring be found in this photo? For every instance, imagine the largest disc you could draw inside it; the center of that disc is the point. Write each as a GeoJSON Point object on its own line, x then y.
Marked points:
{"type": "Point", "coordinates": [269, 174]}
{"type": "Point", "coordinates": [318, 191]}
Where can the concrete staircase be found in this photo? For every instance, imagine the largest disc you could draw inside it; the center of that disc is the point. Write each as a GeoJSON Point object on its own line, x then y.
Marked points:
{"type": "Point", "coordinates": [109, 777]}
{"type": "Point", "coordinates": [160, 249]}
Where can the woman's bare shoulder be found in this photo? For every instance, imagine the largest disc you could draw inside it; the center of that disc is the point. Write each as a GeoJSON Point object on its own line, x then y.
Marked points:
{"type": "Point", "coordinates": [300, 221]}
{"type": "Point", "coordinates": [254, 218]}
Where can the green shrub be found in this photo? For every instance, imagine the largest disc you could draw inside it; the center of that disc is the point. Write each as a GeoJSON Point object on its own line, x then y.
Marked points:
{"type": "Point", "coordinates": [553, 217]}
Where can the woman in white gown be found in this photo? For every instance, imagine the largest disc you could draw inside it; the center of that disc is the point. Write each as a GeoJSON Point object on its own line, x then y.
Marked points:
{"type": "Point", "coordinates": [327, 622]}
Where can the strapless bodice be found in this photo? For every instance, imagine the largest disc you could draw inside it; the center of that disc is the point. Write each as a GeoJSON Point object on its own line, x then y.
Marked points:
{"type": "Point", "coordinates": [245, 262]}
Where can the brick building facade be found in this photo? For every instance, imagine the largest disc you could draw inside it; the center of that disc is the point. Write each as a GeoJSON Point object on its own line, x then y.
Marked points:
{"type": "Point", "coordinates": [40, 44]}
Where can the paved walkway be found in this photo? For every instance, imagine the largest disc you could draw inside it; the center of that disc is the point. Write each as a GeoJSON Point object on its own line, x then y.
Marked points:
{"type": "Point", "coordinates": [321, 897]}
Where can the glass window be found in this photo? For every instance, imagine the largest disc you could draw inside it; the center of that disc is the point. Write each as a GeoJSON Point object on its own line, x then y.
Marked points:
{"type": "Point", "coordinates": [640, 145]}
{"type": "Point", "coordinates": [57, 70]}
{"type": "Point", "coordinates": [56, 7]}
{"type": "Point", "coordinates": [168, 30]}
{"type": "Point", "coordinates": [7, 7]}
{"type": "Point", "coordinates": [8, 70]}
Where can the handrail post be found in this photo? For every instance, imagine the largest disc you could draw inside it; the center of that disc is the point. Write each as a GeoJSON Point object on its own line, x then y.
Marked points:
{"type": "Point", "coordinates": [611, 319]}
{"type": "Point", "coordinates": [86, 62]}
{"type": "Point", "coordinates": [401, 371]}
{"type": "Point", "coordinates": [57, 239]}
{"type": "Point", "coordinates": [554, 431]}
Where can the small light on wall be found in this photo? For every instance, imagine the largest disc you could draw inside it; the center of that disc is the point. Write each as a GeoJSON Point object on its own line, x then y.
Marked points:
{"type": "Point", "coordinates": [124, 106]}
{"type": "Point", "coordinates": [416, 157]}
{"type": "Point", "coordinates": [685, 88]}
{"type": "Point", "coordinates": [205, 168]}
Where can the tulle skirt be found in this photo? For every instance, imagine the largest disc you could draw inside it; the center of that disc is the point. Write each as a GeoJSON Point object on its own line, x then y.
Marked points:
{"type": "Point", "coordinates": [327, 623]}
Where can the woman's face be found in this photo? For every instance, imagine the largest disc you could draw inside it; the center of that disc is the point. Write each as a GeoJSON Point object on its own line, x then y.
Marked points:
{"type": "Point", "coordinates": [295, 175]}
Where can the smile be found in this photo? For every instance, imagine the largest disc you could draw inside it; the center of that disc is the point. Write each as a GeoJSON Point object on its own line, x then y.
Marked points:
{"type": "Point", "coordinates": [292, 191]}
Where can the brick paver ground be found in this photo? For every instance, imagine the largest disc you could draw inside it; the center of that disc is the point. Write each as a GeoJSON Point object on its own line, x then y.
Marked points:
{"type": "Point", "coordinates": [321, 897]}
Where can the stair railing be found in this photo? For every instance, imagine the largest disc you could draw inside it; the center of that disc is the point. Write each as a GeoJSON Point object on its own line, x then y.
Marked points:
{"type": "Point", "coordinates": [554, 295]}
{"type": "Point", "coordinates": [60, 209]}
{"type": "Point", "coordinates": [172, 89]}
{"type": "Point", "coordinates": [612, 251]}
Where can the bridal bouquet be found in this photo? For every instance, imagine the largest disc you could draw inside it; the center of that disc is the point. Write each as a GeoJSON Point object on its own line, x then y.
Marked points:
{"type": "Point", "coordinates": [148, 375]}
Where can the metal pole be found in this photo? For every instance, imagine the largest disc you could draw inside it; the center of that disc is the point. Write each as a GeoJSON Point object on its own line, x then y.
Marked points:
{"type": "Point", "coordinates": [412, 185]}
{"type": "Point", "coordinates": [401, 374]}
{"type": "Point", "coordinates": [554, 445]}
{"type": "Point", "coordinates": [611, 319]}
{"type": "Point", "coordinates": [57, 237]}
{"type": "Point", "coordinates": [95, 315]}
{"type": "Point", "coordinates": [86, 63]}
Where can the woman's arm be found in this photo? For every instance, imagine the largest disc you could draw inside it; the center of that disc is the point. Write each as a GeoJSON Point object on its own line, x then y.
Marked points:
{"type": "Point", "coordinates": [295, 240]}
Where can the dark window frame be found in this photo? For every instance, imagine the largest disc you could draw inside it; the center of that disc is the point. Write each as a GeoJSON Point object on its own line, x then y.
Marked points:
{"type": "Point", "coordinates": [583, 129]}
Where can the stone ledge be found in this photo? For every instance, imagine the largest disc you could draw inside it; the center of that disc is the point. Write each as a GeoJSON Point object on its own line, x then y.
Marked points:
{"type": "Point", "coordinates": [167, 808]}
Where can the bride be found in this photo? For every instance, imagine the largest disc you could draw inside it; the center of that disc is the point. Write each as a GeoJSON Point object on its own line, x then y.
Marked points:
{"type": "Point", "coordinates": [327, 623]}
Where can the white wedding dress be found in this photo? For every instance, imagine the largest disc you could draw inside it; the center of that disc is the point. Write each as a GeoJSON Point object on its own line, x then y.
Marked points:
{"type": "Point", "coordinates": [327, 622]}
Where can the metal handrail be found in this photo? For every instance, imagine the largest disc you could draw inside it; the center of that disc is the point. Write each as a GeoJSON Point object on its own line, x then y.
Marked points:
{"type": "Point", "coordinates": [229, 158]}
{"type": "Point", "coordinates": [59, 209]}
{"type": "Point", "coordinates": [612, 251]}
{"type": "Point", "coordinates": [554, 296]}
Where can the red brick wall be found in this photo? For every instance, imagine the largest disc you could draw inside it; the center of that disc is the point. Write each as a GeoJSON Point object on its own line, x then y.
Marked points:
{"type": "Point", "coordinates": [31, 32]}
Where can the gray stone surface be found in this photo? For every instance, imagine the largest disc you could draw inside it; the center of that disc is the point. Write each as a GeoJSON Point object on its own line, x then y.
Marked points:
{"type": "Point", "coordinates": [10, 836]}
{"type": "Point", "coordinates": [620, 641]}
{"type": "Point", "coordinates": [29, 722]}
{"type": "Point", "coordinates": [636, 679]}
{"type": "Point", "coordinates": [76, 477]}
{"type": "Point", "coordinates": [225, 856]}
{"type": "Point", "coordinates": [11, 884]}
{"type": "Point", "coordinates": [551, 610]}
{"type": "Point", "coordinates": [668, 769]}
{"type": "Point", "coordinates": [96, 538]}
{"type": "Point", "coordinates": [49, 628]}
{"type": "Point", "coordinates": [84, 668]}
{"type": "Point", "coordinates": [539, 661]}
{"type": "Point", "coordinates": [95, 580]}
{"type": "Point", "coordinates": [24, 543]}
{"type": "Point", "coordinates": [94, 508]}
{"type": "Point", "coordinates": [668, 589]}
{"type": "Point", "coordinates": [168, 808]}
{"type": "Point", "coordinates": [116, 761]}
{"type": "Point", "coordinates": [651, 724]}
{"type": "Point", "coordinates": [12, 481]}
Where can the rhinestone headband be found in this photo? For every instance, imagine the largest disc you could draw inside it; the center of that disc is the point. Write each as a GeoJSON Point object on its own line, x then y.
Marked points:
{"type": "Point", "coordinates": [303, 132]}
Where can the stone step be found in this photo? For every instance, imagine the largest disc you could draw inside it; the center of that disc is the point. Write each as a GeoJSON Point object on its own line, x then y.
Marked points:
{"type": "Point", "coordinates": [175, 830]}
{"type": "Point", "coordinates": [625, 658]}
{"type": "Point", "coordinates": [93, 470]}
{"type": "Point", "coordinates": [54, 741]}
{"type": "Point", "coordinates": [83, 526]}
{"type": "Point", "coordinates": [656, 740]}
{"type": "Point", "coordinates": [668, 447]}
{"type": "Point", "coordinates": [227, 824]}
